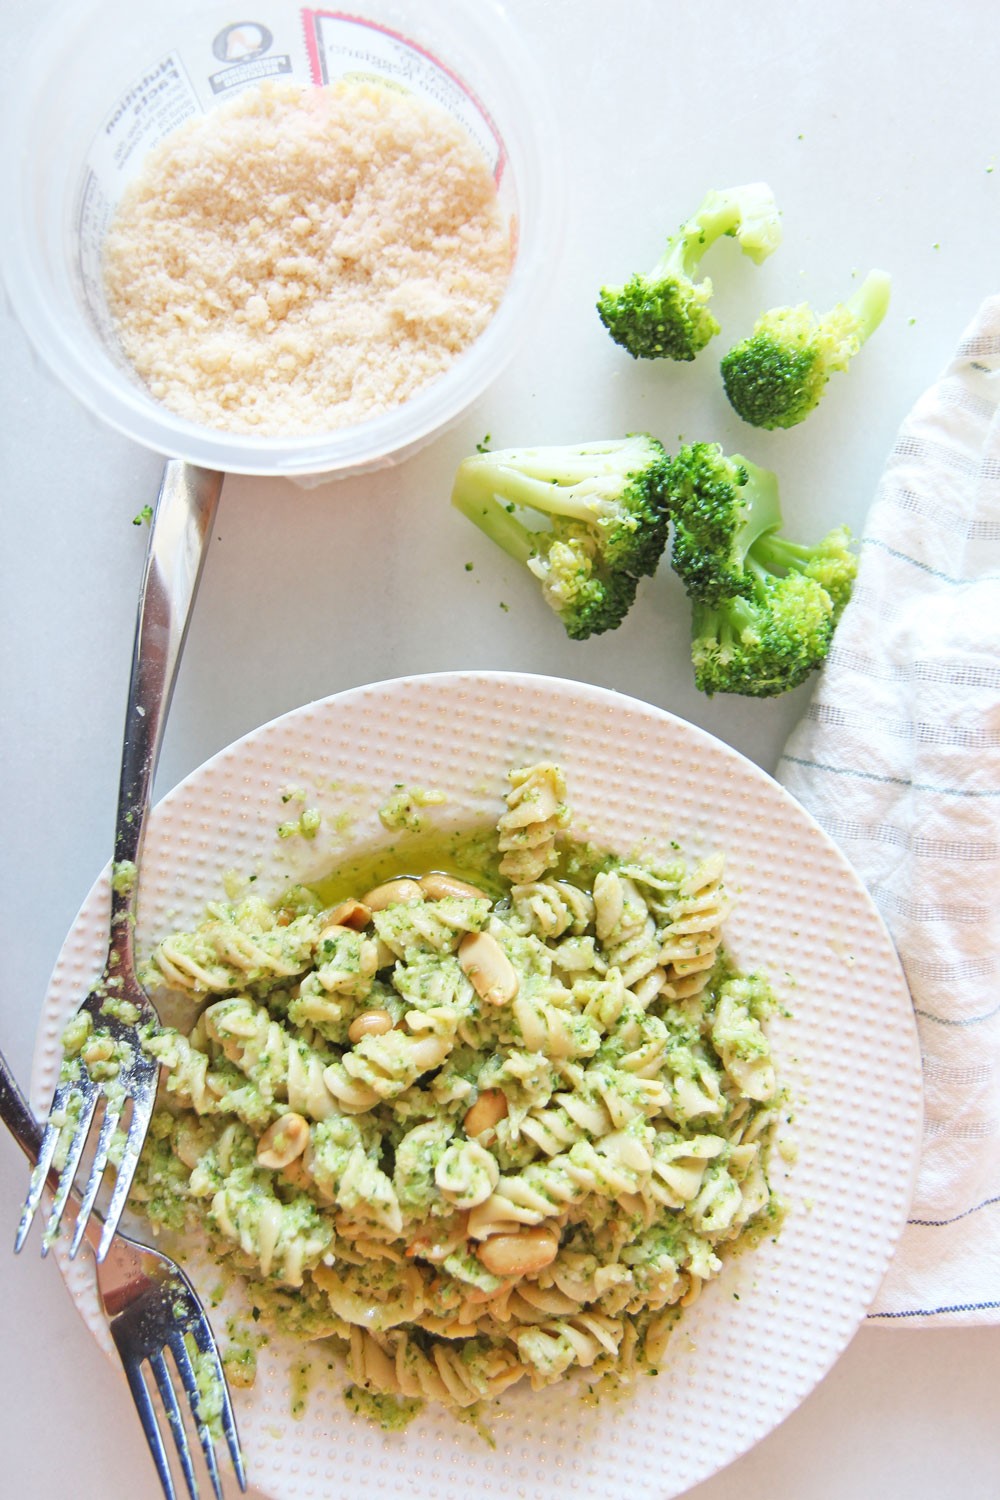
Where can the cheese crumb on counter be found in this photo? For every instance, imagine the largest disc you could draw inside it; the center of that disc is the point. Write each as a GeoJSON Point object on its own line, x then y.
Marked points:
{"type": "Point", "coordinates": [299, 260]}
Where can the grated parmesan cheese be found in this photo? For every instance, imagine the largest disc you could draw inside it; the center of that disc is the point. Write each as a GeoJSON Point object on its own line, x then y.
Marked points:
{"type": "Point", "coordinates": [299, 260]}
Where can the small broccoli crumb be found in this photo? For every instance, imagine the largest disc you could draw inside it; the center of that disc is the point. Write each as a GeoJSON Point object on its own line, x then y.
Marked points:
{"type": "Point", "coordinates": [405, 808]}
{"type": "Point", "coordinates": [305, 826]}
{"type": "Point", "coordinates": [75, 1033]}
{"type": "Point", "coordinates": [145, 515]}
{"type": "Point", "coordinates": [123, 877]}
{"type": "Point", "coordinates": [120, 1010]}
{"type": "Point", "coordinates": [240, 1365]}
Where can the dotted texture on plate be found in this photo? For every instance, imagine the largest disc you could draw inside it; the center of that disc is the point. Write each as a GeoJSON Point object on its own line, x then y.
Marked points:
{"type": "Point", "coordinates": [761, 1336]}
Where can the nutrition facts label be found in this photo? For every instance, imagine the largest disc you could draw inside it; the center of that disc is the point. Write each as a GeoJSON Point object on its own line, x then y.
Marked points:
{"type": "Point", "coordinates": [152, 106]}
{"type": "Point", "coordinates": [342, 46]}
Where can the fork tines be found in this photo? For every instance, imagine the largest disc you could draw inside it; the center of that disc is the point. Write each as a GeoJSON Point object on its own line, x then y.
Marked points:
{"type": "Point", "coordinates": [141, 1348]}
{"type": "Point", "coordinates": [74, 1109]}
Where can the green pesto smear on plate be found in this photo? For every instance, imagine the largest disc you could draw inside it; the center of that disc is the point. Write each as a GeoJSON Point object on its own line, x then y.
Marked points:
{"type": "Point", "coordinates": [391, 1413]}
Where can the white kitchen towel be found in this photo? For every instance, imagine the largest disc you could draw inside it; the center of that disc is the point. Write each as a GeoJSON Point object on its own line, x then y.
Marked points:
{"type": "Point", "coordinates": [898, 758]}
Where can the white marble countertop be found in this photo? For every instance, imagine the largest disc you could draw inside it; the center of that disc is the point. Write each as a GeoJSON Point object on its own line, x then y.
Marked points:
{"type": "Point", "coordinates": [877, 126]}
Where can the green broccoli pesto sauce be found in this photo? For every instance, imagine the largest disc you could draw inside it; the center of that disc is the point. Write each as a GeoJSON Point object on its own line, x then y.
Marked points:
{"type": "Point", "coordinates": [211, 1392]}
{"type": "Point", "coordinates": [120, 1010]}
{"type": "Point", "coordinates": [301, 1383]}
{"type": "Point", "coordinates": [391, 1413]}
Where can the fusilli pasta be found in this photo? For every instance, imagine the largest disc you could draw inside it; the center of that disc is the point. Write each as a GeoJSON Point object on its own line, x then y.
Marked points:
{"type": "Point", "coordinates": [472, 1140]}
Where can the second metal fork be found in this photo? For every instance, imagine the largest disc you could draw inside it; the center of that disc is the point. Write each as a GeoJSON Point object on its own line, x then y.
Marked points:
{"type": "Point", "coordinates": [152, 1311]}
{"type": "Point", "coordinates": [109, 1067]}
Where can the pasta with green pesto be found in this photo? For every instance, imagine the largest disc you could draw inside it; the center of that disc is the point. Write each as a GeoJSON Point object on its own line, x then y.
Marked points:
{"type": "Point", "coordinates": [472, 1136]}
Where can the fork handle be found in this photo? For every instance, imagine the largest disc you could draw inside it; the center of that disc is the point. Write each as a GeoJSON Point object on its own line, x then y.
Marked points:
{"type": "Point", "coordinates": [179, 534]}
{"type": "Point", "coordinates": [16, 1113]}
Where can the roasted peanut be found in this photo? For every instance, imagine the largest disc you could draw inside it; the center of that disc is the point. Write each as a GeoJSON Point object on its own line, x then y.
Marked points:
{"type": "Point", "coordinates": [519, 1254]}
{"type": "Point", "coordinates": [331, 932]}
{"type": "Point", "coordinates": [283, 1141]}
{"type": "Point", "coordinates": [489, 1108]}
{"type": "Point", "coordinates": [391, 893]}
{"type": "Point", "coordinates": [350, 913]}
{"type": "Point", "coordinates": [436, 886]}
{"type": "Point", "coordinates": [369, 1023]}
{"type": "Point", "coordinates": [487, 967]}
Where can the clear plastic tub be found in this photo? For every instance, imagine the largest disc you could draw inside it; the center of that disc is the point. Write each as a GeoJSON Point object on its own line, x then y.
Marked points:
{"type": "Point", "coordinates": [108, 82]}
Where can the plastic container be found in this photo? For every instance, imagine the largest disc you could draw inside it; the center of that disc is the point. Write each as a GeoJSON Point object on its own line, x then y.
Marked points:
{"type": "Point", "coordinates": [110, 80]}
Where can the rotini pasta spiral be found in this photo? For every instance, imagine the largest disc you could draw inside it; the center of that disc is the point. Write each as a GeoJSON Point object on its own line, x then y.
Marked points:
{"type": "Point", "coordinates": [248, 943]}
{"type": "Point", "coordinates": [284, 1067]}
{"type": "Point", "coordinates": [536, 813]}
{"type": "Point", "coordinates": [552, 908]}
{"type": "Point", "coordinates": [551, 1347]}
{"type": "Point", "coordinates": [460, 1377]}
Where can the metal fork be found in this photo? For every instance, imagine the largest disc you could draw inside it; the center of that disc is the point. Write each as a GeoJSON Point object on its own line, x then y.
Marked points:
{"type": "Point", "coordinates": [112, 1069]}
{"type": "Point", "coordinates": [151, 1308]}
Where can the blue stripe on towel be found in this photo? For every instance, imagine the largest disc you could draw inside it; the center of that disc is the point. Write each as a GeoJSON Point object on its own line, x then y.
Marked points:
{"type": "Point", "coordinates": [928, 1015]}
{"type": "Point", "coordinates": [872, 541]}
{"type": "Point", "coordinates": [933, 1312]}
{"type": "Point", "coordinates": [940, 1223]}
{"type": "Point", "coordinates": [917, 786]}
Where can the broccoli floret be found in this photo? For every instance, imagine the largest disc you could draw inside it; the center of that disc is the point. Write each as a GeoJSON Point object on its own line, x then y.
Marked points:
{"type": "Point", "coordinates": [607, 522]}
{"type": "Point", "coordinates": [830, 562]}
{"type": "Point", "coordinates": [777, 376]}
{"type": "Point", "coordinates": [719, 504]}
{"type": "Point", "coordinates": [765, 644]}
{"type": "Point", "coordinates": [665, 314]}
{"type": "Point", "coordinates": [763, 609]}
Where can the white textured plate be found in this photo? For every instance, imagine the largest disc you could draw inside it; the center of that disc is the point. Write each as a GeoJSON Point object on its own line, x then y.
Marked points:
{"type": "Point", "coordinates": [762, 1335]}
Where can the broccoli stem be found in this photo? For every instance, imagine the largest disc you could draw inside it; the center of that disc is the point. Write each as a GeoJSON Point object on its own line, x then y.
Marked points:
{"type": "Point", "coordinates": [726, 621]}
{"type": "Point", "coordinates": [748, 213]}
{"type": "Point", "coordinates": [719, 215]}
{"type": "Point", "coordinates": [870, 303]}
{"type": "Point", "coordinates": [778, 554]}
{"type": "Point", "coordinates": [544, 483]}
{"type": "Point", "coordinates": [760, 500]}
{"type": "Point", "coordinates": [484, 510]}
